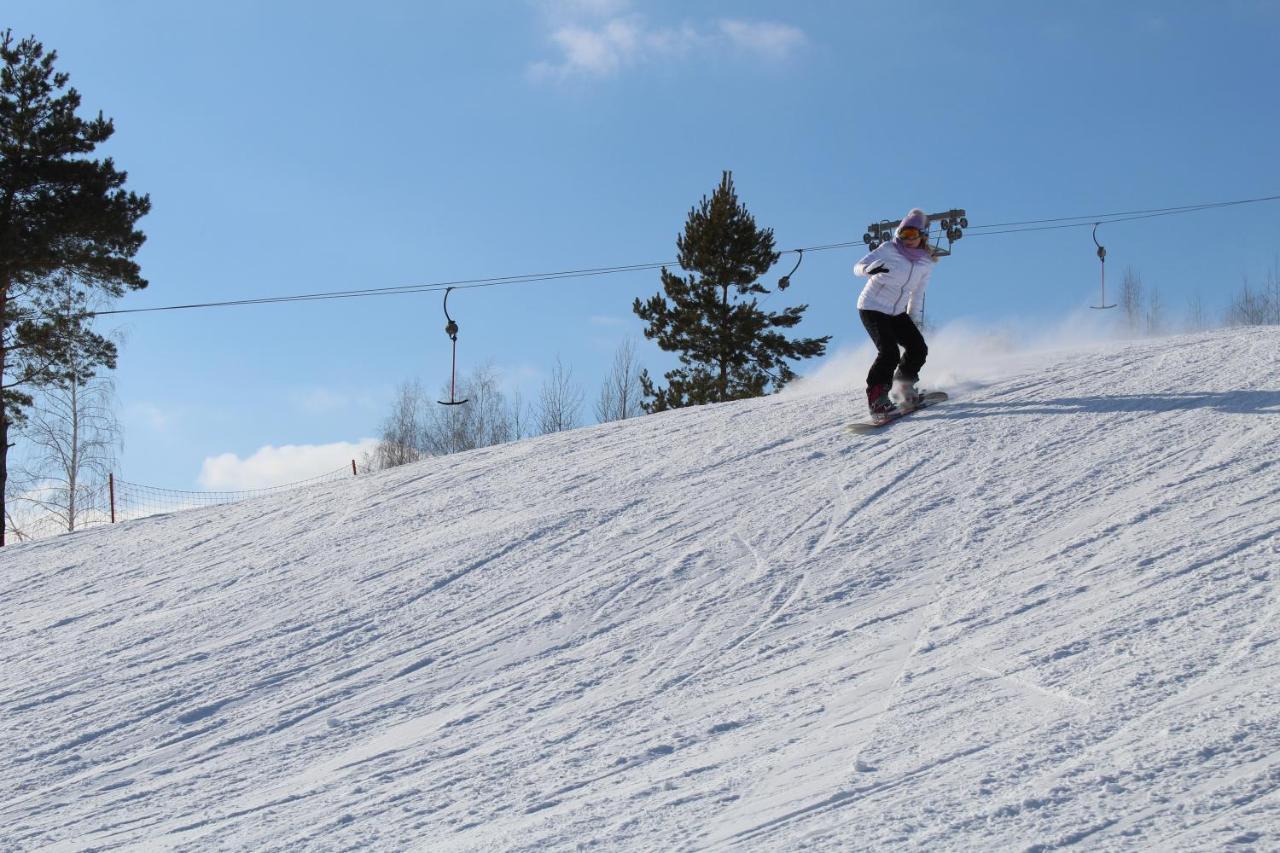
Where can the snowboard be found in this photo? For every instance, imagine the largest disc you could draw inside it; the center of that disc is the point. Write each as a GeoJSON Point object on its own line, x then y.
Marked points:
{"type": "Point", "coordinates": [929, 399]}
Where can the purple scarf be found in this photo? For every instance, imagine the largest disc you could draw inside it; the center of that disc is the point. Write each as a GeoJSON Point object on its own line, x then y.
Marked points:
{"type": "Point", "coordinates": [914, 255]}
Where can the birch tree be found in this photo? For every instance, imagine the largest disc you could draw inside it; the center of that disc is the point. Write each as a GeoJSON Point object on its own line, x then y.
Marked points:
{"type": "Point", "coordinates": [560, 401]}
{"type": "Point", "coordinates": [621, 394]}
{"type": "Point", "coordinates": [1132, 298]}
{"type": "Point", "coordinates": [70, 438]}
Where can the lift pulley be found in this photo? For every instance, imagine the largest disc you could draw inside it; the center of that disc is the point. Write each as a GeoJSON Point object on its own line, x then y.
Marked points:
{"type": "Point", "coordinates": [951, 225]}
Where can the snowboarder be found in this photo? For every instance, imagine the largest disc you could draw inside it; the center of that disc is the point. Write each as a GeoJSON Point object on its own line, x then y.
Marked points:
{"type": "Point", "coordinates": [897, 272]}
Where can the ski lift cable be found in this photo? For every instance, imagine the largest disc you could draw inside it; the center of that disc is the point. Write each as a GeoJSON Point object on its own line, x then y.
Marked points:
{"type": "Point", "coordinates": [533, 278]}
{"type": "Point", "coordinates": [1086, 224]}
{"type": "Point", "coordinates": [402, 289]}
{"type": "Point", "coordinates": [1124, 216]}
{"type": "Point", "coordinates": [1186, 208]}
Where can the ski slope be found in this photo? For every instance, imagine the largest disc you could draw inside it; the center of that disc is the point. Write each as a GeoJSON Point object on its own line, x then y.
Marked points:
{"type": "Point", "coordinates": [1040, 615]}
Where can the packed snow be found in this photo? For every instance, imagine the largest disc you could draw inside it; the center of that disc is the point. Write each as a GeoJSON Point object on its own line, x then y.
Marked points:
{"type": "Point", "coordinates": [1042, 614]}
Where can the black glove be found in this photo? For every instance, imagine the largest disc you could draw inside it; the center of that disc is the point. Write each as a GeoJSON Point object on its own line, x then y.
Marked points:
{"type": "Point", "coordinates": [877, 269]}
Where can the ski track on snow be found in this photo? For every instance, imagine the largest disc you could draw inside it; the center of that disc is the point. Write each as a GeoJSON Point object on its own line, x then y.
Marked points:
{"type": "Point", "coordinates": [1041, 615]}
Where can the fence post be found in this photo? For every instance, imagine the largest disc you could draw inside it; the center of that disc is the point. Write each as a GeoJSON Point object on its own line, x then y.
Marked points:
{"type": "Point", "coordinates": [111, 484]}
{"type": "Point", "coordinates": [353, 469]}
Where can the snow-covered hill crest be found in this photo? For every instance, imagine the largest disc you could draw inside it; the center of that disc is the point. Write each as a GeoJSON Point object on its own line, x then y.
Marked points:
{"type": "Point", "coordinates": [1039, 615]}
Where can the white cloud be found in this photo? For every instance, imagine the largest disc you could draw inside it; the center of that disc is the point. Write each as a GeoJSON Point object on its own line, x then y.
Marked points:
{"type": "Point", "coordinates": [600, 51]}
{"type": "Point", "coordinates": [151, 416]}
{"type": "Point", "coordinates": [324, 401]}
{"type": "Point", "coordinates": [521, 377]}
{"type": "Point", "coordinates": [577, 9]}
{"type": "Point", "coordinates": [1153, 23]}
{"type": "Point", "coordinates": [278, 466]}
{"type": "Point", "coordinates": [619, 43]}
{"type": "Point", "coordinates": [319, 401]}
{"type": "Point", "coordinates": [765, 38]}
{"type": "Point", "coordinates": [604, 47]}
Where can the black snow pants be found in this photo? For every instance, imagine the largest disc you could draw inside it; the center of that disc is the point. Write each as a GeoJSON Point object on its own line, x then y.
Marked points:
{"type": "Point", "coordinates": [888, 333]}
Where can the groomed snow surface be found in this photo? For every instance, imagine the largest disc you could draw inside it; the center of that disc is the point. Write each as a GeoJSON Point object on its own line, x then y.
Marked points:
{"type": "Point", "coordinates": [1041, 615]}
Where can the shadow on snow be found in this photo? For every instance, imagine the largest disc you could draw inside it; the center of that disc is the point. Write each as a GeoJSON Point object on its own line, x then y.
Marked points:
{"type": "Point", "coordinates": [1226, 402]}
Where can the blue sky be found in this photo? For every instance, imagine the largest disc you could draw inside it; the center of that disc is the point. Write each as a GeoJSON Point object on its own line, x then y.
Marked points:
{"type": "Point", "coordinates": [298, 147]}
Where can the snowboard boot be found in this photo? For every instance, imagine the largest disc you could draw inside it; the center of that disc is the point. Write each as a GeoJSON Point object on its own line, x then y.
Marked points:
{"type": "Point", "coordinates": [882, 408]}
{"type": "Point", "coordinates": [905, 390]}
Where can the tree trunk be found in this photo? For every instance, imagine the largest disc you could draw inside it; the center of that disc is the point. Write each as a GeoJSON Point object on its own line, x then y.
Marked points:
{"type": "Point", "coordinates": [73, 469]}
{"type": "Point", "coordinates": [4, 460]}
{"type": "Point", "coordinates": [724, 347]}
{"type": "Point", "coordinates": [4, 416]}
{"type": "Point", "coordinates": [6, 221]}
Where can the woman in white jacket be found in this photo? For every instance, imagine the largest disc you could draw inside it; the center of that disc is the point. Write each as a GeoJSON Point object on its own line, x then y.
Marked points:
{"type": "Point", "coordinates": [898, 273]}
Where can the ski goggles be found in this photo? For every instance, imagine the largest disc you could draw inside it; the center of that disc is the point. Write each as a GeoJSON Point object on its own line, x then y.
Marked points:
{"type": "Point", "coordinates": [910, 233]}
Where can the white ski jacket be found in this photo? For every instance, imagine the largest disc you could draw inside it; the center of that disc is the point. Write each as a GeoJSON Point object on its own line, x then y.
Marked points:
{"type": "Point", "coordinates": [899, 290]}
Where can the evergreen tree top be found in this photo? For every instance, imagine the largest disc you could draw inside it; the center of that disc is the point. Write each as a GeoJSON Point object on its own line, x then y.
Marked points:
{"type": "Point", "coordinates": [730, 349]}
{"type": "Point", "coordinates": [60, 211]}
{"type": "Point", "coordinates": [722, 243]}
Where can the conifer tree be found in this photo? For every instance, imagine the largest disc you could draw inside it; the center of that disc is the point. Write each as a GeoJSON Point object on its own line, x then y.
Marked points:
{"type": "Point", "coordinates": [63, 218]}
{"type": "Point", "coordinates": [730, 349]}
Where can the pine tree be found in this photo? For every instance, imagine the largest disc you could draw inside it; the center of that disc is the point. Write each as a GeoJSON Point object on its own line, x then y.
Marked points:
{"type": "Point", "coordinates": [730, 348]}
{"type": "Point", "coordinates": [63, 218]}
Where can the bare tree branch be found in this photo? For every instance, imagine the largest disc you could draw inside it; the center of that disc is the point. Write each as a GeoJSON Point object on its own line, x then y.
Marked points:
{"type": "Point", "coordinates": [621, 394]}
{"type": "Point", "coordinates": [560, 401]}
